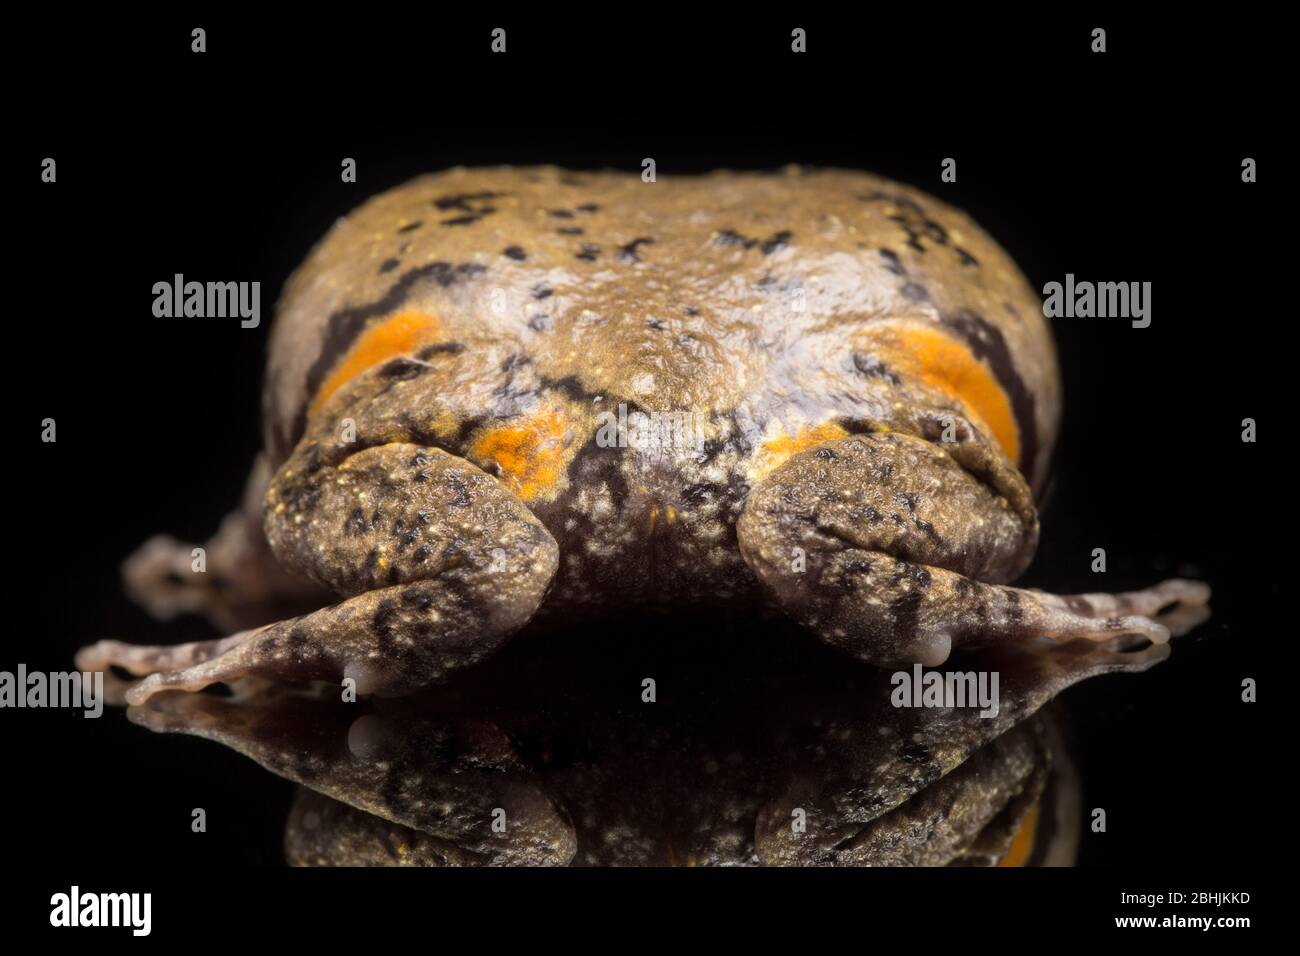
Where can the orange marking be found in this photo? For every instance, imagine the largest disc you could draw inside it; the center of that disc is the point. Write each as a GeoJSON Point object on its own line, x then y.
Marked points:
{"type": "Point", "coordinates": [943, 363]}
{"type": "Point", "coordinates": [529, 455]}
{"type": "Point", "coordinates": [1022, 844]}
{"type": "Point", "coordinates": [778, 449]}
{"type": "Point", "coordinates": [400, 335]}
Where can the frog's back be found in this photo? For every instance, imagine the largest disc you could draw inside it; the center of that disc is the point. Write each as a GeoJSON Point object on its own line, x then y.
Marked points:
{"type": "Point", "coordinates": [771, 305]}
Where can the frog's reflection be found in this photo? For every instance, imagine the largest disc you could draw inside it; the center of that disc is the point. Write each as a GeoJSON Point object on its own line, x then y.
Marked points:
{"type": "Point", "coordinates": [789, 755]}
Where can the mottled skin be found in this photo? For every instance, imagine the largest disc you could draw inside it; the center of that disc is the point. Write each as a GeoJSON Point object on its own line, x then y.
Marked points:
{"type": "Point", "coordinates": [415, 781]}
{"type": "Point", "coordinates": [871, 389]}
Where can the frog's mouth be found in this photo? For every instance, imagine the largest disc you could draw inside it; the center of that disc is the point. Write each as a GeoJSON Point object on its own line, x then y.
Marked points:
{"type": "Point", "coordinates": [665, 746]}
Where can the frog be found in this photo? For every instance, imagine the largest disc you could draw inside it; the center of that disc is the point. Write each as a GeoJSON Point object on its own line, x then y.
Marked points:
{"type": "Point", "coordinates": [501, 398]}
{"type": "Point", "coordinates": [525, 762]}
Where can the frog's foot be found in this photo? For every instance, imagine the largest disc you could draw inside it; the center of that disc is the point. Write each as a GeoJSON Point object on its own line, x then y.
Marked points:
{"type": "Point", "coordinates": [444, 564]}
{"type": "Point", "coordinates": [1177, 604]}
{"type": "Point", "coordinates": [233, 580]}
{"type": "Point", "coordinates": [140, 660]}
{"type": "Point", "coordinates": [883, 544]}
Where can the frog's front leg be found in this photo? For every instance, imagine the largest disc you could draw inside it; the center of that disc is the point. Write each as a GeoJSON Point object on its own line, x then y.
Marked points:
{"type": "Point", "coordinates": [897, 549]}
{"type": "Point", "coordinates": [442, 563]}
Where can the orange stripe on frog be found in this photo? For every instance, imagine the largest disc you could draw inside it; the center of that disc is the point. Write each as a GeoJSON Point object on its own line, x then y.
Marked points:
{"type": "Point", "coordinates": [1022, 844]}
{"type": "Point", "coordinates": [934, 358]}
{"type": "Point", "coordinates": [777, 450]}
{"type": "Point", "coordinates": [530, 455]}
{"type": "Point", "coordinates": [399, 335]}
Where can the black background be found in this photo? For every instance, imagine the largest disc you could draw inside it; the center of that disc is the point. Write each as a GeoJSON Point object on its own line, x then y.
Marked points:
{"type": "Point", "coordinates": [1123, 166]}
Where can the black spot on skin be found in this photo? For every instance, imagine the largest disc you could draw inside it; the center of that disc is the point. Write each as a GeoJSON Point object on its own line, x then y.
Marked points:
{"type": "Point", "coordinates": [871, 367]}
{"type": "Point", "coordinates": [422, 553]}
{"type": "Point", "coordinates": [562, 213]}
{"type": "Point", "coordinates": [906, 611]}
{"type": "Point", "coordinates": [777, 241]}
{"type": "Point", "coordinates": [914, 292]}
{"type": "Point", "coordinates": [570, 230]}
{"type": "Point", "coordinates": [297, 641]}
{"type": "Point", "coordinates": [542, 291]}
{"type": "Point", "coordinates": [440, 348]}
{"type": "Point", "coordinates": [382, 622]}
{"type": "Point", "coordinates": [588, 253]}
{"type": "Point", "coordinates": [411, 226]}
{"type": "Point", "coordinates": [966, 258]}
{"type": "Point", "coordinates": [729, 237]}
{"type": "Point", "coordinates": [515, 252]}
{"type": "Point", "coordinates": [572, 388]}
{"type": "Point", "coordinates": [588, 207]}
{"type": "Point", "coordinates": [540, 323]}
{"type": "Point", "coordinates": [1015, 612]}
{"type": "Point", "coordinates": [892, 262]}
{"type": "Point", "coordinates": [460, 491]}
{"type": "Point", "coordinates": [655, 324]}
{"type": "Point", "coordinates": [927, 529]}
{"type": "Point", "coordinates": [918, 575]}
{"type": "Point", "coordinates": [912, 218]}
{"type": "Point", "coordinates": [824, 454]}
{"type": "Point", "coordinates": [700, 493]}
{"type": "Point", "coordinates": [908, 501]}
{"type": "Point", "coordinates": [468, 219]}
{"type": "Point", "coordinates": [356, 525]}
{"type": "Point", "coordinates": [628, 252]}
{"type": "Point", "coordinates": [402, 369]}
{"type": "Point", "coordinates": [462, 201]}
{"type": "Point", "coordinates": [691, 310]}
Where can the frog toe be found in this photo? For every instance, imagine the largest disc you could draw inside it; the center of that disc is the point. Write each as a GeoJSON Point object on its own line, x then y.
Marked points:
{"type": "Point", "coordinates": [140, 660]}
{"type": "Point", "coordinates": [1161, 598]}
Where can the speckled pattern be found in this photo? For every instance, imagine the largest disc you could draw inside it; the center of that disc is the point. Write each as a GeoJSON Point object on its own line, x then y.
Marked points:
{"type": "Point", "coordinates": [577, 780]}
{"type": "Point", "coordinates": [862, 391]}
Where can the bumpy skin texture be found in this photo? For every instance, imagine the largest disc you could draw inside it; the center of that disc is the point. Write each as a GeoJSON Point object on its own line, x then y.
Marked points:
{"type": "Point", "coordinates": [862, 398]}
{"type": "Point", "coordinates": [712, 775]}
{"type": "Point", "coordinates": [773, 308]}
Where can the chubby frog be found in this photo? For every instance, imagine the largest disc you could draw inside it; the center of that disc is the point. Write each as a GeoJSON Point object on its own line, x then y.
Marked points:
{"type": "Point", "coordinates": [500, 396]}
